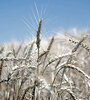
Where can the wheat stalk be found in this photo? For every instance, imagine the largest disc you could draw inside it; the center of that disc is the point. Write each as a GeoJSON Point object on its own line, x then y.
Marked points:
{"type": "Point", "coordinates": [26, 90]}
{"type": "Point", "coordinates": [69, 91]}
{"type": "Point", "coordinates": [55, 59]}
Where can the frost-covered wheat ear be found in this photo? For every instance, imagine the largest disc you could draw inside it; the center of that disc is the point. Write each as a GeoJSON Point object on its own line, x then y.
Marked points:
{"type": "Point", "coordinates": [82, 44]}
{"type": "Point", "coordinates": [38, 36]}
{"type": "Point", "coordinates": [38, 41]}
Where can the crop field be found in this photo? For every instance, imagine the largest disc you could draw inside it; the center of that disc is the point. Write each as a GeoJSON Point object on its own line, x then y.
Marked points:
{"type": "Point", "coordinates": [54, 69]}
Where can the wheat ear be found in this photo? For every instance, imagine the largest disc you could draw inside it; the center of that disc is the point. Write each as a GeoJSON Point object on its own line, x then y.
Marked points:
{"type": "Point", "coordinates": [82, 44]}
{"type": "Point", "coordinates": [49, 47]}
{"type": "Point", "coordinates": [38, 41]}
{"type": "Point", "coordinates": [2, 61]}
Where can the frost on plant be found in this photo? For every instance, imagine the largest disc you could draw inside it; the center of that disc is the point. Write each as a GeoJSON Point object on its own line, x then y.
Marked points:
{"type": "Point", "coordinates": [63, 65]}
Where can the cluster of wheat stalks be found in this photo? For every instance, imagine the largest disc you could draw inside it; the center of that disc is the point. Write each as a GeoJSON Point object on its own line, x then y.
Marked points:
{"type": "Point", "coordinates": [58, 69]}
